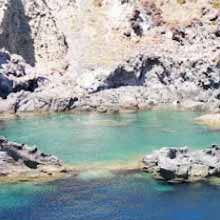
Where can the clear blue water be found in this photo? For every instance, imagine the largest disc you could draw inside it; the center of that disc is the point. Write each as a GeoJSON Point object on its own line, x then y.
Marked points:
{"type": "Point", "coordinates": [100, 195]}
{"type": "Point", "coordinates": [124, 197]}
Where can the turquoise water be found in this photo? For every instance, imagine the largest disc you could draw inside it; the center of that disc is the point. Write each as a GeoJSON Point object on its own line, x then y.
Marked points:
{"type": "Point", "coordinates": [101, 194]}
{"type": "Point", "coordinates": [94, 138]}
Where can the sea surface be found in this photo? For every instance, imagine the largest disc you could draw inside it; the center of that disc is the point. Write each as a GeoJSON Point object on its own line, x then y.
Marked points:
{"type": "Point", "coordinates": [99, 141]}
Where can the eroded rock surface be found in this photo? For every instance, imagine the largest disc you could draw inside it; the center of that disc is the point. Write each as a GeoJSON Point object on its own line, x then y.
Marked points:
{"type": "Point", "coordinates": [16, 76]}
{"type": "Point", "coordinates": [178, 165]}
{"type": "Point", "coordinates": [20, 162]}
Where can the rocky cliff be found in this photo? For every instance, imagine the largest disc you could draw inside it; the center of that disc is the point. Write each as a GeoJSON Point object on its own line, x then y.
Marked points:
{"type": "Point", "coordinates": [107, 55]}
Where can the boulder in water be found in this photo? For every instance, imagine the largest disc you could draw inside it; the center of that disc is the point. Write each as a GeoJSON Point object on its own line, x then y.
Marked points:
{"type": "Point", "coordinates": [178, 165]}
{"type": "Point", "coordinates": [18, 162]}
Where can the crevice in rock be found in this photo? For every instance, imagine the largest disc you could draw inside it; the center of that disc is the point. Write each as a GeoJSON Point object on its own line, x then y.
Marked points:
{"type": "Point", "coordinates": [16, 32]}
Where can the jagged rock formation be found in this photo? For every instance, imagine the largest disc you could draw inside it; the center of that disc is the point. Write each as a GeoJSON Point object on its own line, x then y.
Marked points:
{"type": "Point", "coordinates": [178, 165]}
{"type": "Point", "coordinates": [111, 55]}
{"type": "Point", "coordinates": [20, 162]}
{"type": "Point", "coordinates": [16, 76]}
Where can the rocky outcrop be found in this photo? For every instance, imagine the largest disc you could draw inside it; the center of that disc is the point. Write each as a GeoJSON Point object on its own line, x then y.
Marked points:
{"type": "Point", "coordinates": [20, 162]}
{"type": "Point", "coordinates": [179, 165]}
{"type": "Point", "coordinates": [154, 81]}
{"type": "Point", "coordinates": [16, 75]}
{"type": "Point", "coordinates": [142, 82]}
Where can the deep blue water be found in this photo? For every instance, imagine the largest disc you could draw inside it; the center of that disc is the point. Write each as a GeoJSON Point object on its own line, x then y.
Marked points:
{"type": "Point", "coordinates": [124, 197]}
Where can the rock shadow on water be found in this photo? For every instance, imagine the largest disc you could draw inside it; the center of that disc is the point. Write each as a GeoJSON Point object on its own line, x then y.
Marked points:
{"type": "Point", "coordinates": [15, 33]}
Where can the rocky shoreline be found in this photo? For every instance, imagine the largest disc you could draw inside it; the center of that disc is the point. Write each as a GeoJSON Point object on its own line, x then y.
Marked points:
{"type": "Point", "coordinates": [182, 165]}
{"type": "Point", "coordinates": [22, 163]}
{"type": "Point", "coordinates": [132, 89]}
{"type": "Point", "coordinates": [19, 162]}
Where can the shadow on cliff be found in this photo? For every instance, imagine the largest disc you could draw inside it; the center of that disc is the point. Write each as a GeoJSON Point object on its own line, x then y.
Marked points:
{"type": "Point", "coordinates": [134, 73]}
{"type": "Point", "coordinates": [16, 32]}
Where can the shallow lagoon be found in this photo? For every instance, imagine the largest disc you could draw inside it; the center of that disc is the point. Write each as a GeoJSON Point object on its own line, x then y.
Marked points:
{"type": "Point", "coordinates": [96, 138]}
{"type": "Point", "coordinates": [98, 194]}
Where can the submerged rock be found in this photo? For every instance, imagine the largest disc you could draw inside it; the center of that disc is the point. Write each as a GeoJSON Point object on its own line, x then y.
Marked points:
{"type": "Point", "coordinates": [210, 120]}
{"type": "Point", "coordinates": [178, 165]}
{"type": "Point", "coordinates": [20, 162]}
